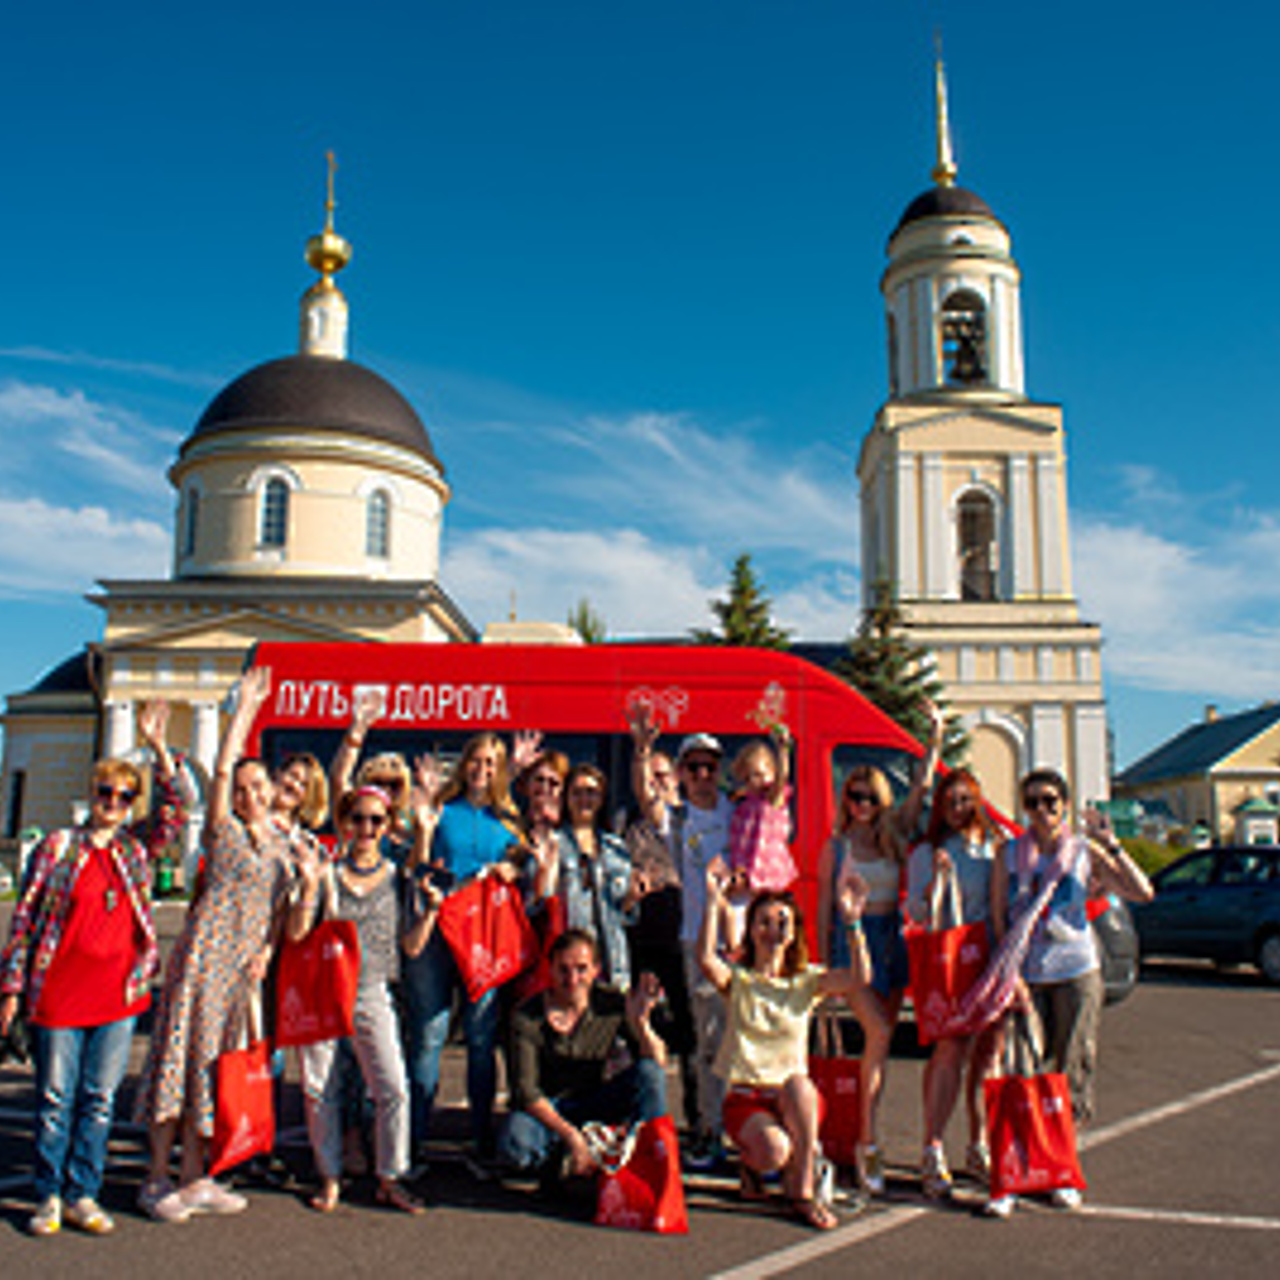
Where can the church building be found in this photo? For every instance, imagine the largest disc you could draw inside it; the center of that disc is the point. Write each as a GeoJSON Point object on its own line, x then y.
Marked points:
{"type": "Point", "coordinates": [964, 498]}
{"type": "Point", "coordinates": [309, 506]}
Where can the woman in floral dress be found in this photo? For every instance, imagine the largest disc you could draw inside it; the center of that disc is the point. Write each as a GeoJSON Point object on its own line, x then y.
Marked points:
{"type": "Point", "coordinates": [215, 970]}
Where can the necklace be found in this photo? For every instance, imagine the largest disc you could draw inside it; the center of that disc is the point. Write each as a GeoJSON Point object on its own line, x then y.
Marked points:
{"type": "Point", "coordinates": [357, 870]}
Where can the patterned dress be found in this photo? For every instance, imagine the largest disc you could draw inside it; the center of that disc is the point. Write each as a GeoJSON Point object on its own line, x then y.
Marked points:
{"type": "Point", "coordinates": [202, 1009]}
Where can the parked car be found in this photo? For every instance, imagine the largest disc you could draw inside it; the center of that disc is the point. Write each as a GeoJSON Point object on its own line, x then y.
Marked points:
{"type": "Point", "coordinates": [1117, 945]}
{"type": "Point", "coordinates": [1220, 904]}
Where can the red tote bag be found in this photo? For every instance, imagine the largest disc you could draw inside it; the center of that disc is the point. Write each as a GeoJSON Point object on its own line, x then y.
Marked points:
{"type": "Point", "coordinates": [244, 1122]}
{"type": "Point", "coordinates": [837, 1078]}
{"type": "Point", "coordinates": [547, 924]}
{"type": "Point", "coordinates": [645, 1193]}
{"type": "Point", "coordinates": [316, 985]}
{"type": "Point", "coordinates": [488, 933]}
{"type": "Point", "coordinates": [1031, 1132]}
{"type": "Point", "coordinates": [945, 963]}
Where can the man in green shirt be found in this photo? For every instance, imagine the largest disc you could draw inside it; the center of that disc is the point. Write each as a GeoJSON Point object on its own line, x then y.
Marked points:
{"type": "Point", "coordinates": [580, 1052]}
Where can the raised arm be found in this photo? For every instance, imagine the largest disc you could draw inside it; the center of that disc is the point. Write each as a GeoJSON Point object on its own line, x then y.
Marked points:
{"type": "Point", "coordinates": [255, 688]}
{"type": "Point", "coordinates": [168, 809]}
{"type": "Point", "coordinates": [852, 901]}
{"type": "Point", "coordinates": [717, 972]}
{"type": "Point", "coordinates": [1112, 866]}
{"type": "Point", "coordinates": [908, 813]}
{"type": "Point", "coordinates": [642, 999]}
{"type": "Point", "coordinates": [426, 812]}
{"type": "Point", "coordinates": [644, 734]}
{"type": "Point", "coordinates": [366, 709]}
{"type": "Point", "coordinates": [780, 736]}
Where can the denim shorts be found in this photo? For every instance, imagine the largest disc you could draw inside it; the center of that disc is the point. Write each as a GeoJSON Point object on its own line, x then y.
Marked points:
{"type": "Point", "coordinates": [889, 968]}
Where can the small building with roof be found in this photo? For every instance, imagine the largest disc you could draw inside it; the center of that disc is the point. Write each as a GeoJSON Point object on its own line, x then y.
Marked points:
{"type": "Point", "coordinates": [1222, 774]}
{"type": "Point", "coordinates": [310, 504]}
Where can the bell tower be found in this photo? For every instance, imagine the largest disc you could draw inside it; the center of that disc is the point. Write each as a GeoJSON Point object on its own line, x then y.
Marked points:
{"type": "Point", "coordinates": [963, 494]}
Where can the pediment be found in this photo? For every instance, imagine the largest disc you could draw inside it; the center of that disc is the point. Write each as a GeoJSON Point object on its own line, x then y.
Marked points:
{"type": "Point", "coordinates": [236, 628]}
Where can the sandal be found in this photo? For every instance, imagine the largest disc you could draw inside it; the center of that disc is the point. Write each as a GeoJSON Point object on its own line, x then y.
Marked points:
{"type": "Point", "coordinates": [392, 1195]}
{"type": "Point", "coordinates": [326, 1199]}
{"type": "Point", "coordinates": [750, 1184]}
{"type": "Point", "coordinates": [813, 1213]}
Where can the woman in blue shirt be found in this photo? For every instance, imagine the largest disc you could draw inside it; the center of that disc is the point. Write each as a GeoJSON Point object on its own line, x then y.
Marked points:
{"type": "Point", "coordinates": [477, 832]}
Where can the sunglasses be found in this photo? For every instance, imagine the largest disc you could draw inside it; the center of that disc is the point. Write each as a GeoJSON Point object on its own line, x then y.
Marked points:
{"type": "Point", "coordinates": [1045, 800]}
{"type": "Point", "coordinates": [585, 793]}
{"type": "Point", "coordinates": [109, 795]}
{"type": "Point", "coordinates": [700, 767]}
{"type": "Point", "coordinates": [549, 781]}
{"type": "Point", "coordinates": [861, 797]}
{"type": "Point", "coordinates": [374, 820]}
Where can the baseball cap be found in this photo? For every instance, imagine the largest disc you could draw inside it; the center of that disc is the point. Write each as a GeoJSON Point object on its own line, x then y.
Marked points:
{"type": "Point", "coordinates": [699, 742]}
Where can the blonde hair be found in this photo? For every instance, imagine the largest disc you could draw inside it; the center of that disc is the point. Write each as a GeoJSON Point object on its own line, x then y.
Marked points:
{"type": "Point", "coordinates": [886, 837]}
{"type": "Point", "coordinates": [748, 752]}
{"type": "Point", "coordinates": [314, 806]}
{"type": "Point", "coordinates": [498, 794]}
{"type": "Point", "coordinates": [374, 770]}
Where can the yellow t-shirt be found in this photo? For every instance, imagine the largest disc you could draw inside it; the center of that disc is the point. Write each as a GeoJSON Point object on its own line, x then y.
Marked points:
{"type": "Point", "coordinates": [767, 1039]}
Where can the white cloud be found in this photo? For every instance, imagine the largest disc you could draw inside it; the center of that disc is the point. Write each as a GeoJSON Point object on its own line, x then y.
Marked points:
{"type": "Point", "coordinates": [109, 364]}
{"type": "Point", "coordinates": [1191, 617]}
{"type": "Point", "coordinates": [46, 548]}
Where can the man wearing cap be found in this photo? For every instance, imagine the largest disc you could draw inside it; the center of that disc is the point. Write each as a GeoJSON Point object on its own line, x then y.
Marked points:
{"type": "Point", "coordinates": [696, 828]}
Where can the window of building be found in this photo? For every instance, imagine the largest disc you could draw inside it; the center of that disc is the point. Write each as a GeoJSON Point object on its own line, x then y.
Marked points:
{"type": "Point", "coordinates": [893, 357]}
{"type": "Point", "coordinates": [976, 527]}
{"type": "Point", "coordinates": [275, 514]}
{"type": "Point", "coordinates": [13, 814]}
{"type": "Point", "coordinates": [964, 339]}
{"type": "Point", "coordinates": [377, 540]}
{"type": "Point", "coordinates": [191, 523]}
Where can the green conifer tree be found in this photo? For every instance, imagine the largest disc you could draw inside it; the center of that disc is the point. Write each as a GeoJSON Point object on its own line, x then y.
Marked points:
{"type": "Point", "coordinates": [743, 614]}
{"type": "Point", "coordinates": [587, 622]}
{"type": "Point", "coordinates": [894, 673]}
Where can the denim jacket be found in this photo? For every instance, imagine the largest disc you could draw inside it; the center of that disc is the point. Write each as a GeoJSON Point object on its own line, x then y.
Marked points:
{"type": "Point", "coordinates": [605, 878]}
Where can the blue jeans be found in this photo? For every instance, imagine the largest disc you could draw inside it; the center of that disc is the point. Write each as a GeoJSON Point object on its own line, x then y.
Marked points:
{"type": "Point", "coordinates": [639, 1093]}
{"type": "Point", "coordinates": [78, 1070]}
{"type": "Point", "coordinates": [429, 982]}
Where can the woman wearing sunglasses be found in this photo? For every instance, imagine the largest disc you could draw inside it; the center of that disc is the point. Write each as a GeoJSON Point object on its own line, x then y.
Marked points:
{"type": "Point", "coordinates": [215, 971]}
{"type": "Point", "coordinates": [870, 839]}
{"type": "Point", "coordinates": [362, 887]}
{"type": "Point", "coordinates": [81, 953]}
{"type": "Point", "coordinates": [1047, 875]}
{"type": "Point", "coordinates": [949, 875]}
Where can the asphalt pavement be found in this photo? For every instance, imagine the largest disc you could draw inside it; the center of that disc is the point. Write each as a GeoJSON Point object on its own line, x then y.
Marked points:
{"type": "Point", "coordinates": [1182, 1162]}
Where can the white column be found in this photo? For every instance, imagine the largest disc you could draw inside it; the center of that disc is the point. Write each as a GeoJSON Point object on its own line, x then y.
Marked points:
{"type": "Point", "coordinates": [926, 361]}
{"type": "Point", "coordinates": [937, 542]}
{"type": "Point", "coordinates": [1017, 566]}
{"type": "Point", "coordinates": [907, 529]}
{"type": "Point", "coordinates": [1053, 552]}
{"type": "Point", "coordinates": [1048, 736]}
{"type": "Point", "coordinates": [204, 734]}
{"type": "Point", "coordinates": [997, 330]}
{"type": "Point", "coordinates": [1091, 777]}
{"type": "Point", "coordinates": [119, 737]}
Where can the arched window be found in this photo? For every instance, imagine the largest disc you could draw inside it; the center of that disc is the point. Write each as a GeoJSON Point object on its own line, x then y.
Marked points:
{"type": "Point", "coordinates": [893, 356]}
{"type": "Point", "coordinates": [274, 527]}
{"type": "Point", "coordinates": [191, 523]}
{"type": "Point", "coordinates": [377, 539]}
{"type": "Point", "coordinates": [964, 339]}
{"type": "Point", "coordinates": [976, 527]}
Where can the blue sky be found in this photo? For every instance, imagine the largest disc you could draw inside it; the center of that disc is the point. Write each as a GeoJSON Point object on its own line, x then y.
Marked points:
{"type": "Point", "coordinates": [595, 239]}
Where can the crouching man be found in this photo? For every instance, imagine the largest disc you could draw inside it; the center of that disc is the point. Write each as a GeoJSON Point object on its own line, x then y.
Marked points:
{"type": "Point", "coordinates": [580, 1052]}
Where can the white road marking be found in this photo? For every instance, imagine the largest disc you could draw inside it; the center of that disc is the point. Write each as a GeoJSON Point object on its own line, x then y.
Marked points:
{"type": "Point", "coordinates": [784, 1260]}
{"type": "Point", "coordinates": [1176, 1217]}
{"type": "Point", "coordinates": [864, 1228]}
{"type": "Point", "coordinates": [1122, 1128]}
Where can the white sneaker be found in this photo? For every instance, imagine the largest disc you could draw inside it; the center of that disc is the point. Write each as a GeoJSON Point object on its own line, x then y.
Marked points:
{"type": "Point", "coordinates": [1001, 1207]}
{"type": "Point", "coordinates": [1066, 1198]}
{"type": "Point", "coordinates": [159, 1200]}
{"type": "Point", "coordinates": [977, 1161]}
{"type": "Point", "coordinates": [88, 1215]}
{"type": "Point", "coordinates": [934, 1174]}
{"type": "Point", "coordinates": [207, 1196]}
{"type": "Point", "coordinates": [47, 1219]}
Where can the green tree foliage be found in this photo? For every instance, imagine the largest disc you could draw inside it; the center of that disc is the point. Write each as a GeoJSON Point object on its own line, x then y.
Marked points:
{"type": "Point", "coordinates": [894, 673]}
{"type": "Point", "coordinates": [587, 622]}
{"type": "Point", "coordinates": [743, 615]}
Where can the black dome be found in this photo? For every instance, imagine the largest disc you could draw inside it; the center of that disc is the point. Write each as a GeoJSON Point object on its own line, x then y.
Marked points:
{"type": "Point", "coordinates": [317, 392]}
{"type": "Point", "coordinates": [940, 202]}
{"type": "Point", "coordinates": [71, 676]}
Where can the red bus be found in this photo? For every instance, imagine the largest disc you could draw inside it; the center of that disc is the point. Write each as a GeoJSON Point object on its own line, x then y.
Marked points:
{"type": "Point", "coordinates": [435, 696]}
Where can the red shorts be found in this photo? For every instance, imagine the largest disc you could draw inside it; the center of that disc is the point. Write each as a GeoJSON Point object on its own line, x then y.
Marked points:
{"type": "Point", "coordinates": [742, 1102]}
